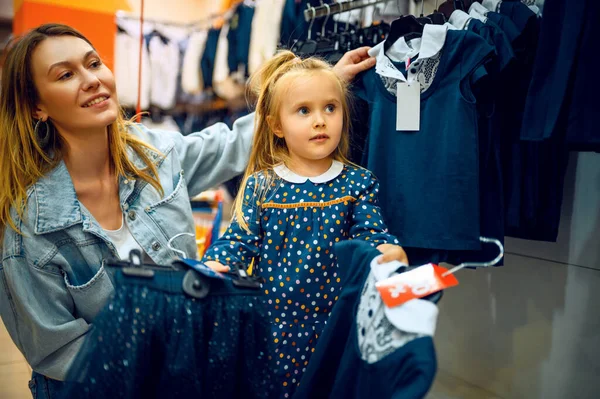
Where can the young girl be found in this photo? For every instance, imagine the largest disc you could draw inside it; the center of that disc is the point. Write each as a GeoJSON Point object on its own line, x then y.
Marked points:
{"type": "Point", "coordinates": [300, 197]}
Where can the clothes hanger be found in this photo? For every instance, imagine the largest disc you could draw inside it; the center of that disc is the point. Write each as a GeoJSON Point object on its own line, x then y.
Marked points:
{"type": "Point", "coordinates": [324, 44]}
{"type": "Point", "coordinates": [424, 20]}
{"type": "Point", "coordinates": [197, 279]}
{"type": "Point", "coordinates": [449, 6]}
{"type": "Point", "coordinates": [336, 54]}
{"type": "Point", "coordinates": [310, 45]}
{"type": "Point", "coordinates": [162, 37]}
{"type": "Point", "coordinates": [478, 264]}
{"type": "Point", "coordinates": [406, 26]}
{"type": "Point", "coordinates": [437, 17]}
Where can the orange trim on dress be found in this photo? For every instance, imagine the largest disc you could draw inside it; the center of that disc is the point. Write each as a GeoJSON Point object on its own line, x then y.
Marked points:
{"type": "Point", "coordinates": [345, 200]}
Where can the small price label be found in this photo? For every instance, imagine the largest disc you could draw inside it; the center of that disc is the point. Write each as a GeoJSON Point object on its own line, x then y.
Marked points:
{"type": "Point", "coordinates": [408, 106]}
{"type": "Point", "coordinates": [416, 283]}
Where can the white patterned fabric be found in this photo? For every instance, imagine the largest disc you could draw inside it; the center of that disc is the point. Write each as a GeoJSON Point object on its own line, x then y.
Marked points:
{"type": "Point", "coordinates": [377, 336]}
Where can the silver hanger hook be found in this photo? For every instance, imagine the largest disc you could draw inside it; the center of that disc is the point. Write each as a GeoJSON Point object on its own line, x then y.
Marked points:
{"type": "Point", "coordinates": [422, 7]}
{"type": "Point", "coordinates": [326, 19]}
{"type": "Point", "coordinates": [178, 251]}
{"type": "Point", "coordinates": [343, 5]}
{"type": "Point", "coordinates": [436, 5]}
{"type": "Point", "coordinates": [478, 264]}
{"type": "Point", "coordinates": [312, 21]}
{"type": "Point", "coordinates": [335, 22]}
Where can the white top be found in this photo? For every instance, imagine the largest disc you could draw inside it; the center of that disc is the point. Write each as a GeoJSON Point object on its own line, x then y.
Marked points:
{"type": "Point", "coordinates": [164, 60]}
{"type": "Point", "coordinates": [124, 241]}
{"type": "Point", "coordinates": [191, 77]}
{"type": "Point", "coordinates": [265, 33]}
{"type": "Point", "coordinates": [126, 67]}
{"type": "Point", "coordinates": [224, 85]}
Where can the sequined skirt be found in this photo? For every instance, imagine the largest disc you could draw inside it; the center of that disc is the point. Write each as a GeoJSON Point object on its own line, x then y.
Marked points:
{"type": "Point", "coordinates": [153, 341]}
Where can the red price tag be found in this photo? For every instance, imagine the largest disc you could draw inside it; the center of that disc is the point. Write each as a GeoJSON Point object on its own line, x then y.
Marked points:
{"type": "Point", "coordinates": [416, 283]}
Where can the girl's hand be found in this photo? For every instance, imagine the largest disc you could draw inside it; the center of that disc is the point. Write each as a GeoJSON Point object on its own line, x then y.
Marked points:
{"type": "Point", "coordinates": [353, 62]}
{"type": "Point", "coordinates": [216, 266]}
{"type": "Point", "coordinates": [392, 252]}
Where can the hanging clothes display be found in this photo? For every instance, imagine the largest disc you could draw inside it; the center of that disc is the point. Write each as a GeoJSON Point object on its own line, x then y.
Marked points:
{"type": "Point", "coordinates": [176, 331]}
{"type": "Point", "coordinates": [429, 177]}
{"type": "Point", "coordinates": [533, 172]}
{"type": "Point", "coordinates": [266, 28]}
{"type": "Point", "coordinates": [240, 36]}
{"type": "Point", "coordinates": [221, 85]}
{"type": "Point", "coordinates": [127, 68]}
{"type": "Point", "coordinates": [293, 26]}
{"type": "Point", "coordinates": [192, 82]}
{"type": "Point", "coordinates": [491, 126]}
{"type": "Point", "coordinates": [164, 70]}
{"type": "Point", "coordinates": [207, 63]}
{"type": "Point", "coordinates": [562, 94]}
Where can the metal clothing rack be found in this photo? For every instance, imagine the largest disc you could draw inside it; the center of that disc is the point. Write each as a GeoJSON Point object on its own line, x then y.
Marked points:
{"type": "Point", "coordinates": [190, 25]}
{"type": "Point", "coordinates": [312, 13]}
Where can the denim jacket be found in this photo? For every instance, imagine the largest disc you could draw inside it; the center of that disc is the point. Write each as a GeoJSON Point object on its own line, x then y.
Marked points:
{"type": "Point", "coordinates": [52, 278]}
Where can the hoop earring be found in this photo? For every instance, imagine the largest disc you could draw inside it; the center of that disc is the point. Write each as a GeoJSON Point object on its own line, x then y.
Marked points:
{"type": "Point", "coordinates": [42, 135]}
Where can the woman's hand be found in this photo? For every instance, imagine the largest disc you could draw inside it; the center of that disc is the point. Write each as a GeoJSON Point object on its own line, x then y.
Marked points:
{"type": "Point", "coordinates": [353, 63]}
{"type": "Point", "coordinates": [392, 252]}
{"type": "Point", "coordinates": [216, 266]}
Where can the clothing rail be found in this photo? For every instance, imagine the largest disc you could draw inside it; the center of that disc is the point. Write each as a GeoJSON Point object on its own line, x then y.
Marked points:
{"type": "Point", "coordinates": [194, 24]}
{"type": "Point", "coordinates": [338, 7]}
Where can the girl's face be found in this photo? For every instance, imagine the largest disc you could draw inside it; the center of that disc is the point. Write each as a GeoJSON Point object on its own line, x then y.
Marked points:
{"type": "Point", "coordinates": [310, 116]}
{"type": "Point", "coordinates": [76, 90]}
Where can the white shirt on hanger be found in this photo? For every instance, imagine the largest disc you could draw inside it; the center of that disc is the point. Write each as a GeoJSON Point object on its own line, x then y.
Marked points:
{"type": "Point", "coordinates": [191, 75]}
{"type": "Point", "coordinates": [223, 83]}
{"type": "Point", "coordinates": [126, 68]}
{"type": "Point", "coordinates": [164, 59]}
{"type": "Point", "coordinates": [266, 32]}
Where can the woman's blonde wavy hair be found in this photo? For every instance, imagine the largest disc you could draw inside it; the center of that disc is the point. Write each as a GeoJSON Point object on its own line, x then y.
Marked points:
{"type": "Point", "coordinates": [22, 160]}
{"type": "Point", "coordinates": [269, 150]}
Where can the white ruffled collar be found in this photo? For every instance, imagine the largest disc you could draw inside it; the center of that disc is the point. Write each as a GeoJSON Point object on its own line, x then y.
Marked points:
{"type": "Point", "coordinates": [286, 174]}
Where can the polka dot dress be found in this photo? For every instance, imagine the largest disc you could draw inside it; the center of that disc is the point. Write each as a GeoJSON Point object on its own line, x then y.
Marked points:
{"type": "Point", "coordinates": [294, 223]}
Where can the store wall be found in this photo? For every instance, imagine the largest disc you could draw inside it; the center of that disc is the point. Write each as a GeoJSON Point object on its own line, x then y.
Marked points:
{"type": "Point", "coordinates": [95, 19]}
{"type": "Point", "coordinates": [531, 329]}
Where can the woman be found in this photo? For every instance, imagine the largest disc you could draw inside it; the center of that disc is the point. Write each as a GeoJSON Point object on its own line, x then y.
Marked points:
{"type": "Point", "coordinates": [78, 185]}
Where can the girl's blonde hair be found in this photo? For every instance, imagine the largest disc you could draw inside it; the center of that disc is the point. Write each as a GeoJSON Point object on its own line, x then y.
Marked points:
{"type": "Point", "coordinates": [22, 160]}
{"type": "Point", "coordinates": [269, 150]}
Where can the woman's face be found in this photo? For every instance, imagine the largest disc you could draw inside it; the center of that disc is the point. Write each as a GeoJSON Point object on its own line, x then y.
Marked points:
{"type": "Point", "coordinates": [76, 90]}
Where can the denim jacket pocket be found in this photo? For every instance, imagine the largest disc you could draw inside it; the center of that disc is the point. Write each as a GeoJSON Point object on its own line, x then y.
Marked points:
{"type": "Point", "coordinates": [173, 195]}
{"type": "Point", "coordinates": [91, 297]}
{"type": "Point", "coordinates": [171, 216]}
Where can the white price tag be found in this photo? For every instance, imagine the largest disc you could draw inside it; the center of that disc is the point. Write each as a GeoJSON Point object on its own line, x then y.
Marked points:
{"type": "Point", "coordinates": [408, 108]}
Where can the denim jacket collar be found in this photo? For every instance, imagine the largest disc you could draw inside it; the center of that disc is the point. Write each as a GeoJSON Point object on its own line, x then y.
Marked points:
{"type": "Point", "coordinates": [56, 200]}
